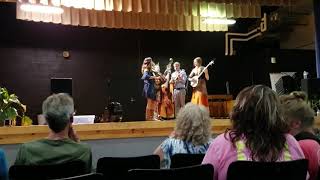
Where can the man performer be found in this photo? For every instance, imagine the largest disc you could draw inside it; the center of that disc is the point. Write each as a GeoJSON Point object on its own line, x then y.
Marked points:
{"type": "Point", "coordinates": [178, 79]}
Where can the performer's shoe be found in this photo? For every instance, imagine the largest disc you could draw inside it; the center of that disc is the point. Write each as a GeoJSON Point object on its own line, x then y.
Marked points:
{"type": "Point", "coordinates": [157, 118]}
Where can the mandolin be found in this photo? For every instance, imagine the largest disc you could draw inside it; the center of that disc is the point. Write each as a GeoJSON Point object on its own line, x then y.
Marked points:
{"type": "Point", "coordinates": [195, 79]}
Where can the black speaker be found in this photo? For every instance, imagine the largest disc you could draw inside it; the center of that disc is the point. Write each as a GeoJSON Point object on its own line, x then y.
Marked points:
{"type": "Point", "coordinates": [311, 87]}
{"type": "Point", "coordinates": [61, 85]}
{"type": "Point", "coordinates": [285, 85]}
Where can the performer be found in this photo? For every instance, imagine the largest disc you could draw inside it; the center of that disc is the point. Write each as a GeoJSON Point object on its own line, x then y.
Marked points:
{"type": "Point", "coordinates": [149, 88]}
{"type": "Point", "coordinates": [199, 93]}
{"type": "Point", "coordinates": [178, 79]}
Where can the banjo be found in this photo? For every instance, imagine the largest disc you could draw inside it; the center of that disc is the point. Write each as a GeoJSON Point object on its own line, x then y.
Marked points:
{"type": "Point", "coordinates": [195, 79]}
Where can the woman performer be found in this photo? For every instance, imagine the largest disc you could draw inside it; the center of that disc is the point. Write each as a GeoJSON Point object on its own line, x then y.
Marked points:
{"type": "Point", "coordinates": [149, 91]}
{"type": "Point", "coordinates": [199, 93]}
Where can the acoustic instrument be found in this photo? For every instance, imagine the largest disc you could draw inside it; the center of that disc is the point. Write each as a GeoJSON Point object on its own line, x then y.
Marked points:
{"type": "Point", "coordinates": [195, 79]}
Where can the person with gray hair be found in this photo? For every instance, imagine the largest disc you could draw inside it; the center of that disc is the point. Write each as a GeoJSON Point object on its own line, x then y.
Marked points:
{"type": "Point", "coordinates": [178, 79]}
{"type": "Point", "coordinates": [62, 144]}
{"type": "Point", "coordinates": [192, 134]}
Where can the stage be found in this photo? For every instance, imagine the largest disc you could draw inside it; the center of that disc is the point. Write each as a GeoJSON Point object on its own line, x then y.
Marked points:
{"type": "Point", "coordinates": [115, 130]}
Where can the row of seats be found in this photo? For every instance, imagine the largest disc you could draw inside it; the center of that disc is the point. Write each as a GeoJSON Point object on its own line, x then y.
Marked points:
{"type": "Point", "coordinates": [186, 166]}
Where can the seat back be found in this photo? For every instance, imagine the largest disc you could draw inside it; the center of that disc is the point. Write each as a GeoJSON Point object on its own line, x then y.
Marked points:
{"type": "Point", "coordinates": [248, 170]}
{"type": "Point", "coordinates": [54, 171]}
{"type": "Point", "coordinates": [183, 160]}
{"type": "Point", "coordinates": [203, 172]}
{"type": "Point", "coordinates": [91, 176]}
{"type": "Point", "coordinates": [117, 167]}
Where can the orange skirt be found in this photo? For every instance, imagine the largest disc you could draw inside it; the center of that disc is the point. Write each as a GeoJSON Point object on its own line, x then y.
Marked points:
{"type": "Point", "coordinates": [200, 98]}
{"type": "Point", "coordinates": [166, 109]}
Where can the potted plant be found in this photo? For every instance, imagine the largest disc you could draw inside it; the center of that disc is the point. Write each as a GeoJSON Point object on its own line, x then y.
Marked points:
{"type": "Point", "coordinates": [10, 107]}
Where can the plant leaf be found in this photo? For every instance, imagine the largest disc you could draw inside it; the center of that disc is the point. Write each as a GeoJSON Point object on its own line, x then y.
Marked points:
{"type": "Point", "coordinates": [4, 93]}
{"type": "Point", "coordinates": [14, 99]}
{"type": "Point", "coordinates": [2, 116]}
{"type": "Point", "coordinates": [11, 112]}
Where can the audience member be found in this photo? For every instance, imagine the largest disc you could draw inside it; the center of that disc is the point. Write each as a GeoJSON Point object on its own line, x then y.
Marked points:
{"type": "Point", "coordinates": [192, 134]}
{"type": "Point", "coordinates": [258, 133]}
{"type": "Point", "coordinates": [300, 117]}
{"type": "Point", "coordinates": [62, 144]}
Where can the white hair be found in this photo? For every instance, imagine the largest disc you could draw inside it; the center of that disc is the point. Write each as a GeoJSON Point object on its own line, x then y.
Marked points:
{"type": "Point", "coordinates": [193, 124]}
{"type": "Point", "coordinates": [58, 109]}
{"type": "Point", "coordinates": [176, 63]}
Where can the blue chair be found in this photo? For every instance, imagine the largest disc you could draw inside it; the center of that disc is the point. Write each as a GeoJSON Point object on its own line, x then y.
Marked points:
{"type": "Point", "coordinates": [92, 176]}
{"type": "Point", "coordinates": [203, 172]}
{"type": "Point", "coordinates": [43, 172]}
{"type": "Point", "coordinates": [248, 170]}
{"type": "Point", "coordinates": [183, 160]}
{"type": "Point", "coordinates": [117, 167]}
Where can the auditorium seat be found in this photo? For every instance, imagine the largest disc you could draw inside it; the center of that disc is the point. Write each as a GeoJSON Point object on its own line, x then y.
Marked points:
{"type": "Point", "coordinates": [183, 160]}
{"type": "Point", "coordinates": [117, 167]}
{"type": "Point", "coordinates": [203, 172]}
{"type": "Point", "coordinates": [43, 172]}
{"type": "Point", "coordinates": [91, 176]}
{"type": "Point", "coordinates": [248, 170]}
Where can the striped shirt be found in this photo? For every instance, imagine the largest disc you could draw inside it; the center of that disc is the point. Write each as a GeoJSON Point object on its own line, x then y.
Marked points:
{"type": "Point", "coordinates": [173, 146]}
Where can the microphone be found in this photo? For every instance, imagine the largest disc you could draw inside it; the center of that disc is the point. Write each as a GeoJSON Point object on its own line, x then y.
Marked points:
{"type": "Point", "coordinates": [170, 59]}
{"type": "Point", "coordinates": [108, 82]}
{"type": "Point", "coordinates": [227, 87]}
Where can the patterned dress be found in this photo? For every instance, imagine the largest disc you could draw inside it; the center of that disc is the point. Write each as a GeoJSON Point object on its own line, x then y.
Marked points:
{"type": "Point", "coordinates": [173, 146]}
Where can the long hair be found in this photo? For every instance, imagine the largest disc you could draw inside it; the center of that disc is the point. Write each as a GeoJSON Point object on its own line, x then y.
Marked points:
{"type": "Point", "coordinates": [193, 124]}
{"type": "Point", "coordinates": [257, 117]}
{"type": "Point", "coordinates": [295, 106]}
{"type": "Point", "coordinates": [146, 64]}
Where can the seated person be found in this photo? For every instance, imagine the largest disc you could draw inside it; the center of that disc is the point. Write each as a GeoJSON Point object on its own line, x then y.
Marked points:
{"type": "Point", "coordinates": [62, 144]}
{"type": "Point", "coordinates": [192, 134]}
{"type": "Point", "coordinates": [258, 133]}
{"type": "Point", "coordinates": [3, 166]}
{"type": "Point", "coordinates": [300, 117]}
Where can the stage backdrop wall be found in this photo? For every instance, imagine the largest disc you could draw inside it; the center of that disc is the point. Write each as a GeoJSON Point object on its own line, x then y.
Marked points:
{"type": "Point", "coordinates": [31, 54]}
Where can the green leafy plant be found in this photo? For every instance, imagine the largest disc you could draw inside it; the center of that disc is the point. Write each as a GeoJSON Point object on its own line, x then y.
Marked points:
{"type": "Point", "coordinates": [10, 106]}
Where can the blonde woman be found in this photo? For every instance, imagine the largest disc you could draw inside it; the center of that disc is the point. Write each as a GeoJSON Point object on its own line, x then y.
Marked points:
{"type": "Point", "coordinates": [149, 91]}
{"type": "Point", "coordinates": [199, 93]}
{"type": "Point", "coordinates": [300, 117]}
{"type": "Point", "coordinates": [192, 134]}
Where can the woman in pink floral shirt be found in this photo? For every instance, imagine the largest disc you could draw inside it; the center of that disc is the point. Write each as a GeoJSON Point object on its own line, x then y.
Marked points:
{"type": "Point", "coordinates": [258, 133]}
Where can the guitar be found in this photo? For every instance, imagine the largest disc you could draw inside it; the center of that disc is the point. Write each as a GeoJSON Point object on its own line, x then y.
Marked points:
{"type": "Point", "coordinates": [176, 79]}
{"type": "Point", "coordinates": [195, 79]}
